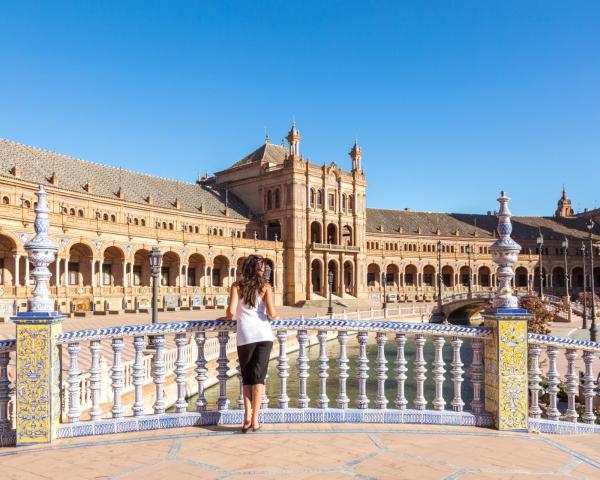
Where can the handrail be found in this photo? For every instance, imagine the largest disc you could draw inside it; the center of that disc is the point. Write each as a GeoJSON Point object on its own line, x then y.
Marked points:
{"type": "Point", "coordinates": [313, 324]}
{"type": "Point", "coordinates": [10, 344]}
{"type": "Point", "coordinates": [564, 342]}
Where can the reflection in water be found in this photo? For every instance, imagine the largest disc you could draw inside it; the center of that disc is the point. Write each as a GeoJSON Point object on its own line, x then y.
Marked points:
{"type": "Point", "coordinates": [272, 382]}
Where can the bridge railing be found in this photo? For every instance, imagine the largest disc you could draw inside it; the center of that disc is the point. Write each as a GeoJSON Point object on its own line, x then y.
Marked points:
{"type": "Point", "coordinates": [327, 406]}
{"type": "Point", "coordinates": [7, 404]}
{"type": "Point", "coordinates": [570, 395]}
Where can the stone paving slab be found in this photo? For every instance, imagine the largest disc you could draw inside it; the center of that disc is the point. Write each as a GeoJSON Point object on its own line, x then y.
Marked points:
{"type": "Point", "coordinates": [323, 451]}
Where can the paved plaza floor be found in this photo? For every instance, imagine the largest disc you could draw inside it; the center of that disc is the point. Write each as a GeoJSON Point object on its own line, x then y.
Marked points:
{"type": "Point", "coordinates": [316, 452]}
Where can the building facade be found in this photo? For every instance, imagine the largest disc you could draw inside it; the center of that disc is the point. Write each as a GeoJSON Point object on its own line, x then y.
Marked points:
{"type": "Point", "coordinates": [309, 221]}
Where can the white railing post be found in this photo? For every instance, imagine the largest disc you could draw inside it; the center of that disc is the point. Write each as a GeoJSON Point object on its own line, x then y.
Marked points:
{"type": "Point", "coordinates": [181, 403]}
{"type": "Point", "coordinates": [553, 381]}
{"type": "Point", "coordinates": [535, 377]}
{"type": "Point", "coordinates": [420, 371]}
{"type": "Point", "coordinates": [158, 370]}
{"type": "Point", "coordinates": [362, 401]}
{"type": "Point", "coordinates": [323, 401]}
{"type": "Point", "coordinates": [201, 371]}
{"type": "Point", "coordinates": [222, 369]}
{"type": "Point", "coordinates": [477, 375]}
{"type": "Point", "coordinates": [283, 367]}
{"type": "Point", "coordinates": [589, 387]}
{"type": "Point", "coordinates": [457, 375]}
{"type": "Point", "coordinates": [438, 373]}
{"type": "Point", "coordinates": [302, 368]}
{"type": "Point", "coordinates": [401, 370]}
{"type": "Point", "coordinates": [342, 400]}
{"type": "Point", "coordinates": [381, 363]}
{"type": "Point", "coordinates": [138, 376]}
{"type": "Point", "coordinates": [74, 379]}
{"type": "Point", "coordinates": [117, 377]}
{"type": "Point", "coordinates": [572, 385]}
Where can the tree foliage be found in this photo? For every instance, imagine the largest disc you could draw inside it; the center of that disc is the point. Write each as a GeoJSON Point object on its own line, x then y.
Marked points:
{"type": "Point", "coordinates": [542, 316]}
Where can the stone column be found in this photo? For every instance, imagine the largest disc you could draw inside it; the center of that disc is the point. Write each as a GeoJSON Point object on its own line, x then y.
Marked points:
{"type": "Point", "coordinates": [38, 367]}
{"type": "Point", "coordinates": [506, 381]}
{"type": "Point", "coordinates": [17, 262]}
{"type": "Point", "coordinates": [124, 275]}
{"type": "Point", "coordinates": [57, 268]}
{"type": "Point", "coordinates": [93, 270]}
{"type": "Point", "coordinates": [26, 281]}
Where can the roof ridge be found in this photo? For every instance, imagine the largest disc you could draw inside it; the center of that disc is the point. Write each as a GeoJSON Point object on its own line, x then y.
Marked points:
{"type": "Point", "coordinates": [94, 163]}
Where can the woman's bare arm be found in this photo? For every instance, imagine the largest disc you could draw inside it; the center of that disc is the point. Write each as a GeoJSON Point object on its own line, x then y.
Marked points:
{"type": "Point", "coordinates": [270, 302]}
{"type": "Point", "coordinates": [233, 301]}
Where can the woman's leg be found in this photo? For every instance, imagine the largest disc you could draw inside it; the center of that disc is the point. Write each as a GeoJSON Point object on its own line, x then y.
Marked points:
{"type": "Point", "coordinates": [247, 390]}
{"type": "Point", "coordinates": [257, 394]}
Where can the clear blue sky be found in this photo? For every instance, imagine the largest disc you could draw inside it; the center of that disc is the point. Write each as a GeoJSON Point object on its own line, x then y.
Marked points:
{"type": "Point", "coordinates": [451, 100]}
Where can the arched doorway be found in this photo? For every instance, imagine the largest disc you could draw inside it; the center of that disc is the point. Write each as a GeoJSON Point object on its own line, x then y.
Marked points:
{"type": "Point", "coordinates": [220, 271]}
{"type": "Point", "coordinates": [141, 268]}
{"type": "Point", "coordinates": [348, 277]}
{"type": "Point", "coordinates": [410, 276]}
{"type": "Point", "coordinates": [332, 237]}
{"type": "Point", "coordinates": [536, 278]}
{"type": "Point", "coordinates": [7, 261]}
{"type": "Point", "coordinates": [315, 232]}
{"type": "Point", "coordinates": [373, 275]}
{"type": "Point", "coordinates": [392, 276]}
{"type": "Point", "coordinates": [195, 270]}
{"type": "Point", "coordinates": [316, 273]}
{"type": "Point", "coordinates": [113, 267]}
{"type": "Point", "coordinates": [347, 235]}
{"type": "Point", "coordinates": [79, 266]}
{"type": "Point", "coordinates": [429, 276]}
{"type": "Point", "coordinates": [333, 267]}
{"type": "Point", "coordinates": [484, 277]}
{"type": "Point", "coordinates": [577, 277]}
{"type": "Point", "coordinates": [169, 270]}
{"type": "Point", "coordinates": [464, 274]}
{"type": "Point", "coordinates": [521, 277]}
{"type": "Point", "coordinates": [448, 276]}
{"type": "Point", "coordinates": [558, 278]}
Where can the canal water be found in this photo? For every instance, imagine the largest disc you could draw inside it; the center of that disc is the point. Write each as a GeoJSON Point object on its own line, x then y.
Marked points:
{"type": "Point", "coordinates": [313, 381]}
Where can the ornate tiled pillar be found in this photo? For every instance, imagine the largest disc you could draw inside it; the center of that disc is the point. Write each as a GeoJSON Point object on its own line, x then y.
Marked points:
{"type": "Point", "coordinates": [38, 367]}
{"type": "Point", "coordinates": [506, 387]}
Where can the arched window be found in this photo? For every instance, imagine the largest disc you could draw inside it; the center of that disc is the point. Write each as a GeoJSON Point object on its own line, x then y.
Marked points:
{"type": "Point", "coordinates": [351, 203]}
{"type": "Point", "coordinates": [27, 204]}
{"type": "Point", "coordinates": [196, 230]}
{"type": "Point", "coordinates": [170, 226]}
{"type": "Point", "coordinates": [105, 217]}
{"type": "Point", "coordinates": [312, 199]}
{"type": "Point", "coordinates": [220, 232]}
{"type": "Point", "coordinates": [72, 211]}
{"type": "Point", "coordinates": [80, 213]}
{"type": "Point", "coordinates": [143, 222]}
{"type": "Point", "coordinates": [136, 221]}
{"type": "Point", "coordinates": [113, 218]}
{"type": "Point", "coordinates": [164, 225]}
{"type": "Point", "coordinates": [269, 200]}
{"type": "Point", "coordinates": [319, 198]}
{"type": "Point", "coordinates": [277, 198]}
{"type": "Point", "coordinates": [6, 200]}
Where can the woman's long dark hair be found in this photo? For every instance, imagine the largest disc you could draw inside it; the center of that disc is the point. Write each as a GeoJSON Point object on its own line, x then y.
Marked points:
{"type": "Point", "coordinates": [252, 282]}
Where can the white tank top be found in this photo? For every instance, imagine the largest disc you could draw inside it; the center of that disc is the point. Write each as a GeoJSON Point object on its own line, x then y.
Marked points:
{"type": "Point", "coordinates": [252, 323]}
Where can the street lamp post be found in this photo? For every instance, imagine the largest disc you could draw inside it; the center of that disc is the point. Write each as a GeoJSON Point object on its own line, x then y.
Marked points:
{"type": "Point", "coordinates": [540, 242]}
{"type": "Point", "coordinates": [584, 325]}
{"type": "Point", "coordinates": [565, 245]}
{"type": "Point", "coordinates": [470, 286]}
{"type": "Point", "coordinates": [439, 279]}
{"type": "Point", "coordinates": [383, 282]}
{"type": "Point", "coordinates": [155, 260]}
{"type": "Point", "coordinates": [593, 328]}
{"type": "Point", "coordinates": [330, 282]}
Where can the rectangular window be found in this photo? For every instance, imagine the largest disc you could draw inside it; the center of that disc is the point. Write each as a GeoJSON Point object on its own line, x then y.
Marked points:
{"type": "Point", "coordinates": [137, 275]}
{"type": "Point", "coordinates": [191, 276]}
{"type": "Point", "coordinates": [331, 201]}
{"type": "Point", "coordinates": [165, 276]}
{"type": "Point", "coordinates": [73, 273]}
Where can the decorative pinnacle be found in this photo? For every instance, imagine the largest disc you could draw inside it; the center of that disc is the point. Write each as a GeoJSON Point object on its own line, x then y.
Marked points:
{"type": "Point", "coordinates": [41, 251]}
{"type": "Point", "coordinates": [505, 252]}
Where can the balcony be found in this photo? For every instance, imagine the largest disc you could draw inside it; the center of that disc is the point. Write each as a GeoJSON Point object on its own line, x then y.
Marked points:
{"type": "Point", "coordinates": [332, 247]}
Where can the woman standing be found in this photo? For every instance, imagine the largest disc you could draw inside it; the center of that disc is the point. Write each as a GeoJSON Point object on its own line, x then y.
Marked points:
{"type": "Point", "coordinates": [251, 304]}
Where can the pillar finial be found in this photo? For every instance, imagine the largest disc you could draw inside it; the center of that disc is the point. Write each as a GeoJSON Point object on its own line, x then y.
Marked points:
{"type": "Point", "coordinates": [41, 251]}
{"type": "Point", "coordinates": [505, 252]}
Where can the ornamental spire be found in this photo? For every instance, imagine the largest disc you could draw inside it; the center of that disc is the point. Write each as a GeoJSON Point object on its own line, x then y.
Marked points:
{"type": "Point", "coordinates": [505, 252]}
{"type": "Point", "coordinates": [41, 251]}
